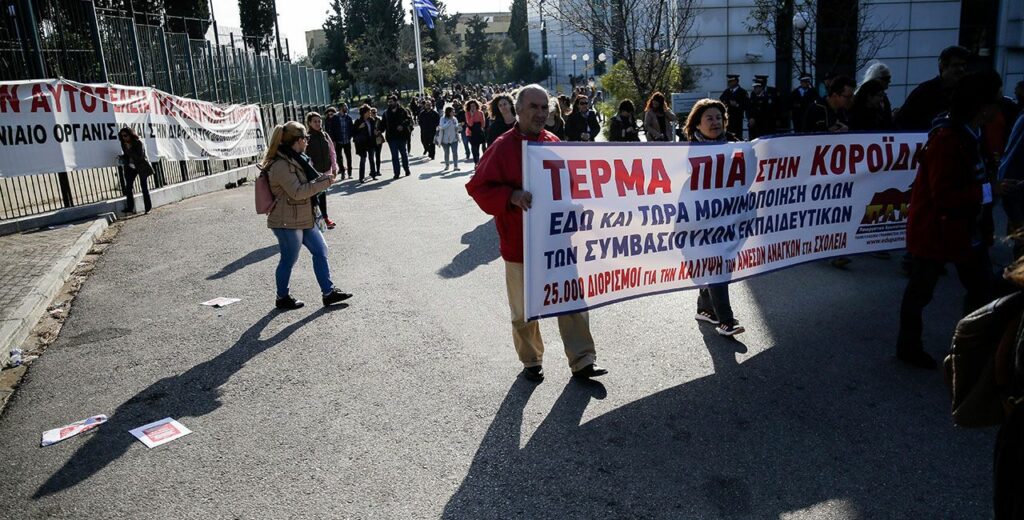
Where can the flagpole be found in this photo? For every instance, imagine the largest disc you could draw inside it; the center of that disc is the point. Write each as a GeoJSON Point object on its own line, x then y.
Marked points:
{"type": "Point", "coordinates": [419, 57]}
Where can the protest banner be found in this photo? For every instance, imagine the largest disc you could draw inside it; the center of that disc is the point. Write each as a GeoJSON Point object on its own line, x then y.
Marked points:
{"type": "Point", "coordinates": [60, 125]}
{"type": "Point", "coordinates": [611, 221]}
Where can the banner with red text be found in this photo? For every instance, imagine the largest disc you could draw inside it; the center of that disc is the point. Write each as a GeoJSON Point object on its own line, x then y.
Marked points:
{"type": "Point", "coordinates": [59, 125]}
{"type": "Point", "coordinates": [611, 221]}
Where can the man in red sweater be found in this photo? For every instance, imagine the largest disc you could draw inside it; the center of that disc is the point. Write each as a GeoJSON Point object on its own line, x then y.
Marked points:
{"type": "Point", "coordinates": [497, 187]}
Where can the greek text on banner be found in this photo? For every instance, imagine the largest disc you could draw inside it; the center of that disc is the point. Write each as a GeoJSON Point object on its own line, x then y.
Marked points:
{"type": "Point", "coordinates": [611, 222]}
{"type": "Point", "coordinates": [59, 125]}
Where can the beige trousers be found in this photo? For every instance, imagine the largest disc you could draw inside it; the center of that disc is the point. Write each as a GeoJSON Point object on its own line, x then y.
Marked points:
{"type": "Point", "coordinates": [574, 328]}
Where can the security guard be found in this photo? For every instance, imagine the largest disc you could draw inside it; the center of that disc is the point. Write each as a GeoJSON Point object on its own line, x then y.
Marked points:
{"type": "Point", "coordinates": [736, 103]}
{"type": "Point", "coordinates": [801, 98]}
{"type": "Point", "coordinates": [762, 114]}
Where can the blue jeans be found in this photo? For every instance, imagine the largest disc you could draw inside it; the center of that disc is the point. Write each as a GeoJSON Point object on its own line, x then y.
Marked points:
{"type": "Point", "coordinates": [290, 242]}
{"type": "Point", "coordinates": [454, 149]}
{"type": "Point", "coordinates": [465, 143]}
{"type": "Point", "coordinates": [398, 148]}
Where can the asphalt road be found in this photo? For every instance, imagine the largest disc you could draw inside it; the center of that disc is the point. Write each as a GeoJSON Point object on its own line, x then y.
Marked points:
{"type": "Point", "coordinates": [406, 404]}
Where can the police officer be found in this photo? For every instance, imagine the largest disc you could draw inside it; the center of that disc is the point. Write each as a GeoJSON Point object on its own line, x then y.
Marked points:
{"type": "Point", "coordinates": [801, 98]}
{"type": "Point", "coordinates": [736, 103]}
{"type": "Point", "coordinates": [762, 113]}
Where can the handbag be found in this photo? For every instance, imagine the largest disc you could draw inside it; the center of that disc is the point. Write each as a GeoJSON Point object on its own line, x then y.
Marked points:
{"type": "Point", "coordinates": [265, 200]}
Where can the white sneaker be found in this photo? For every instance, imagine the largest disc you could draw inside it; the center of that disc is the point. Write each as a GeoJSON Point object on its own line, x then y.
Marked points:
{"type": "Point", "coordinates": [729, 330]}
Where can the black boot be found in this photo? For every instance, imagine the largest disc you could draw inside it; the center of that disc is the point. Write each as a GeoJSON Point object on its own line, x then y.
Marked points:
{"type": "Point", "coordinates": [288, 303]}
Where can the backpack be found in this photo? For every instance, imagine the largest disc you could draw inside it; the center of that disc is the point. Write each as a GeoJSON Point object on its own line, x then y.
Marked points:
{"type": "Point", "coordinates": [265, 200]}
{"type": "Point", "coordinates": [977, 401]}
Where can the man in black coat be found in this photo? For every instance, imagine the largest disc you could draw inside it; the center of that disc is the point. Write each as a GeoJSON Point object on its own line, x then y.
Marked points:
{"type": "Point", "coordinates": [428, 120]}
{"type": "Point", "coordinates": [829, 114]}
{"type": "Point", "coordinates": [397, 131]}
{"type": "Point", "coordinates": [800, 100]}
{"type": "Point", "coordinates": [931, 98]}
{"type": "Point", "coordinates": [736, 103]}
{"type": "Point", "coordinates": [762, 115]}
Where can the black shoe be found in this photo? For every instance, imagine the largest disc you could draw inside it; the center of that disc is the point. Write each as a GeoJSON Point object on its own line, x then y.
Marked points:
{"type": "Point", "coordinates": [916, 359]}
{"type": "Point", "coordinates": [335, 296]}
{"type": "Point", "coordinates": [535, 374]}
{"type": "Point", "coordinates": [589, 371]}
{"type": "Point", "coordinates": [288, 303]}
{"type": "Point", "coordinates": [397, 176]}
{"type": "Point", "coordinates": [407, 173]}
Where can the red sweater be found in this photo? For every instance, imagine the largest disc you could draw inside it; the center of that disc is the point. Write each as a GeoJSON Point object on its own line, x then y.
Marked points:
{"type": "Point", "coordinates": [499, 173]}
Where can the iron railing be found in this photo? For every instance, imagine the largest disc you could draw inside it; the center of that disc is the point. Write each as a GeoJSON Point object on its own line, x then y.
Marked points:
{"type": "Point", "coordinates": [74, 39]}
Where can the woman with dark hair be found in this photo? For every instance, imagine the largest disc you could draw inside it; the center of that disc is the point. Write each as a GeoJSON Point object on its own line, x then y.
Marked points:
{"type": "Point", "coordinates": [868, 112]}
{"type": "Point", "coordinates": [582, 125]}
{"type": "Point", "coordinates": [555, 124]}
{"type": "Point", "coordinates": [503, 114]}
{"type": "Point", "coordinates": [474, 127]}
{"type": "Point", "coordinates": [378, 136]}
{"type": "Point", "coordinates": [658, 118]}
{"type": "Point", "coordinates": [320, 150]}
{"type": "Point", "coordinates": [364, 136]}
{"type": "Point", "coordinates": [448, 134]}
{"type": "Point", "coordinates": [623, 126]}
{"type": "Point", "coordinates": [134, 164]}
{"type": "Point", "coordinates": [706, 124]}
{"type": "Point", "coordinates": [295, 183]}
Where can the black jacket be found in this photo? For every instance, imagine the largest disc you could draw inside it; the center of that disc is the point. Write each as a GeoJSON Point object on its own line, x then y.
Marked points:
{"type": "Point", "coordinates": [923, 105]}
{"type": "Point", "coordinates": [576, 125]}
{"type": "Point", "coordinates": [619, 127]}
{"type": "Point", "coordinates": [429, 121]}
{"type": "Point", "coordinates": [820, 117]}
{"type": "Point", "coordinates": [496, 128]}
{"type": "Point", "coordinates": [399, 117]}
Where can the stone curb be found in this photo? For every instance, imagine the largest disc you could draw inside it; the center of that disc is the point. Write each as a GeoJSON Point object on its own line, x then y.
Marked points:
{"type": "Point", "coordinates": [14, 330]}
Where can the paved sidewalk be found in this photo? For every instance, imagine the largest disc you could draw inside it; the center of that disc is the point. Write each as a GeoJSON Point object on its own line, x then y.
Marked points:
{"type": "Point", "coordinates": [33, 268]}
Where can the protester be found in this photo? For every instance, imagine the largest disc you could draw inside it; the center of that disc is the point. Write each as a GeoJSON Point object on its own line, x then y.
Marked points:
{"type": "Point", "coordinates": [565, 105]}
{"type": "Point", "coordinates": [736, 101]}
{"type": "Point", "coordinates": [497, 188]}
{"type": "Point", "coordinates": [397, 131]}
{"type": "Point", "coordinates": [460, 114]}
{"type": "Point", "coordinates": [623, 125]}
{"type": "Point", "coordinates": [554, 123]}
{"type": "Point", "coordinates": [1008, 455]}
{"type": "Point", "coordinates": [378, 137]}
{"type": "Point", "coordinates": [135, 164]}
{"type": "Point", "coordinates": [504, 116]}
{"type": "Point", "coordinates": [658, 119]}
{"type": "Point", "coordinates": [950, 217]}
{"type": "Point", "coordinates": [931, 98]}
{"type": "Point", "coordinates": [428, 120]}
{"type": "Point", "coordinates": [320, 151]}
{"type": "Point", "coordinates": [294, 182]}
{"type": "Point", "coordinates": [449, 137]}
{"type": "Point", "coordinates": [365, 136]}
{"type": "Point", "coordinates": [830, 114]}
{"type": "Point", "coordinates": [1011, 167]}
{"type": "Point", "coordinates": [582, 124]}
{"type": "Point", "coordinates": [340, 127]}
{"type": "Point", "coordinates": [474, 128]}
{"type": "Point", "coordinates": [706, 123]}
{"type": "Point", "coordinates": [800, 100]}
{"type": "Point", "coordinates": [879, 72]}
{"type": "Point", "coordinates": [868, 112]}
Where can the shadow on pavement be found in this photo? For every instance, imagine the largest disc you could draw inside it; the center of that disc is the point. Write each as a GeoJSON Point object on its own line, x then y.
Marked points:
{"type": "Point", "coordinates": [252, 257]}
{"type": "Point", "coordinates": [350, 187]}
{"type": "Point", "coordinates": [190, 394]}
{"type": "Point", "coordinates": [817, 423]}
{"type": "Point", "coordinates": [482, 250]}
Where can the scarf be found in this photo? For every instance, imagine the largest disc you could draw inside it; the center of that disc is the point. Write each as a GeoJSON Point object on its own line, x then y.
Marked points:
{"type": "Point", "coordinates": [302, 159]}
{"type": "Point", "coordinates": [701, 138]}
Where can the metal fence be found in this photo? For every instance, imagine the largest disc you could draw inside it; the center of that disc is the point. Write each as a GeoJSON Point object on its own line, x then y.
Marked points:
{"type": "Point", "coordinates": [75, 40]}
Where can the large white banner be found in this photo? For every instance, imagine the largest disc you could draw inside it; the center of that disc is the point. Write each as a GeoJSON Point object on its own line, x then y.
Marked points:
{"type": "Point", "coordinates": [59, 125]}
{"type": "Point", "coordinates": [611, 222]}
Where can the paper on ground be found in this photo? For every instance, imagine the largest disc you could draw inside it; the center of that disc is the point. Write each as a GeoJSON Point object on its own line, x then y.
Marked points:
{"type": "Point", "coordinates": [160, 432]}
{"type": "Point", "coordinates": [66, 432]}
{"type": "Point", "coordinates": [222, 301]}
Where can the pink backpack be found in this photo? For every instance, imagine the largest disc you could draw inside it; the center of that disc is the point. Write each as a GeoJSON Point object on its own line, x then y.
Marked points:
{"type": "Point", "coordinates": [265, 200]}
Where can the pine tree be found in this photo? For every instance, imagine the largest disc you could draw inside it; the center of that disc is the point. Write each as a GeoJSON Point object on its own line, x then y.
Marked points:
{"type": "Point", "coordinates": [335, 54]}
{"type": "Point", "coordinates": [257, 17]}
{"type": "Point", "coordinates": [476, 44]}
{"type": "Point", "coordinates": [517, 29]}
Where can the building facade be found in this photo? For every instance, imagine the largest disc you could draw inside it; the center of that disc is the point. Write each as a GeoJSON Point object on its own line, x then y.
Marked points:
{"type": "Point", "coordinates": [497, 26]}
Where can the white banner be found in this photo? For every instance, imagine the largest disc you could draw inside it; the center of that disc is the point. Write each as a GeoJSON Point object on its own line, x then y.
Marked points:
{"type": "Point", "coordinates": [612, 222]}
{"type": "Point", "coordinates": [59, 125]}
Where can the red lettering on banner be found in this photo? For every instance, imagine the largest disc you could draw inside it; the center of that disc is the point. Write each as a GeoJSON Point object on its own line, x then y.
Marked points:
{"type": "Point", "coordinates": [600, 173]}
{"type": "Point", "coordinates": [629, 179]}
{"type": "Point", "coordinates": [39, 102]}
{"type": "Point", "coordinates": [56, 94]}
{"type": "Point", "coordinates": [659, 178]}
{"type": "Point", "coordinates": [9, 101]}
{"type": "Point", "coordinates": [738, 170]}
{"type": "Point", "coordinates": [555, 167]}
{"type": "Point", "coordinates": [701, 177]}
{"type": "Point", "coordinates": [577, 180]}
{"type": "Point", "coordinates": [818, 162]}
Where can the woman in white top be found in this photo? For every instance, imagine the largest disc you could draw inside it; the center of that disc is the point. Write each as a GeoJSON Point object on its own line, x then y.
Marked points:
{"type": "Point", "coordinates": [448, 136]}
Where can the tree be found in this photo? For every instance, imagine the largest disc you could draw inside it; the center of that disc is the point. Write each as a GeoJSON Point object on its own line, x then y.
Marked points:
{"type": "Point", "coordinates": [334, 55]}
{"type": "Point", "coordinates": [257, 17]}
{"type": "Point", "coordinates": [442, 71]}
{"type": "Point", "coordinates": [188, 16]}
{"type": "Point", "coordinates": [648, 37]}
{"type": "Point", "coordinates": [620, 85]}
{"type": "Point", "coordinates": [517, 29]}
{"type": "Point", "coordinates": [374, 60]}
{"type": "Point", "coordinates": [476, 44]}
{"type": "Point", "coordinates": [855, 37]}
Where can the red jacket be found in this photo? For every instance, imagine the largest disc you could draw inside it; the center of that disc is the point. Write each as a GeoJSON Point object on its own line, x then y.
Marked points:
{"type": "Point", "coordinates": [499, 173]}
{"type": "Point", "coordinates": [947, 217]}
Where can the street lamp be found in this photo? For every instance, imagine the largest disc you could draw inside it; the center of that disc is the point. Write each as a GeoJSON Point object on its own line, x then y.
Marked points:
{"type": "Point", "coordinates": [800, 24]}
{"type": "Point", "coordinates": [573, 57]}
